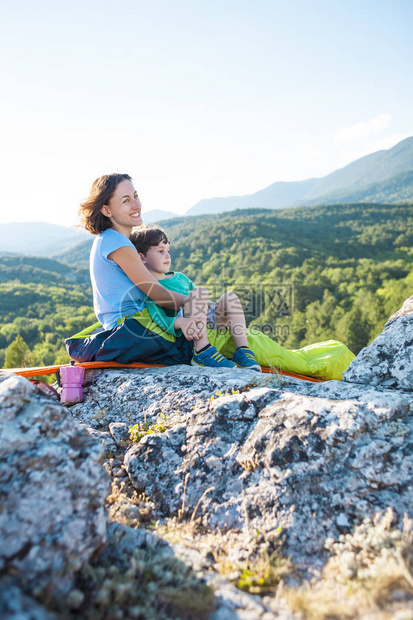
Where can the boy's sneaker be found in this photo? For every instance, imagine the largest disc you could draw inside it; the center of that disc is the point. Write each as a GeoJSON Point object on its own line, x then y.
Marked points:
{"type": "Point", "coordinates": [211, 358]}
{"type": "Point", "coordinates": [244, 358]}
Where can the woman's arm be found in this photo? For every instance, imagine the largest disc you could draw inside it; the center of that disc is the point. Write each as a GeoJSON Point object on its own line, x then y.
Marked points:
{"type": "Point", "coordinates": [130, 262]}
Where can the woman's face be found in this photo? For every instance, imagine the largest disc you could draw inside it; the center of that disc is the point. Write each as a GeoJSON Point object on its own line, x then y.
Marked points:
{"type": "Point", "coordinates": [124, 208]}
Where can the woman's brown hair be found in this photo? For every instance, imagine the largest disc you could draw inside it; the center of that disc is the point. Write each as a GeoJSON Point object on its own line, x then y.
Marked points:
{"type": "Point", "coordinates": [100, 193]}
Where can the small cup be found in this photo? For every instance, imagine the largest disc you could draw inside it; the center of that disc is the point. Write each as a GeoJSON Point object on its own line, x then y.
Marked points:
{"type": "Point", "coordinates": [71, 378]}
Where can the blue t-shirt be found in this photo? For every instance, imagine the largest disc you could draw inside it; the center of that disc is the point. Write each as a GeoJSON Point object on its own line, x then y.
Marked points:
{"type": "Point", "coordinates": [114, 294]}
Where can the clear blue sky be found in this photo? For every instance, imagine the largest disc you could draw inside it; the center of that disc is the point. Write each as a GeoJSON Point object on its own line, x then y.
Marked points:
{"type": "Point", "coordinates": [194, 99]}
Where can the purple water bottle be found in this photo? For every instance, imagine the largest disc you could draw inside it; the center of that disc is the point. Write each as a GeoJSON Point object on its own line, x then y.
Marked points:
{"type": "Point", "coordinates": [72, 379]}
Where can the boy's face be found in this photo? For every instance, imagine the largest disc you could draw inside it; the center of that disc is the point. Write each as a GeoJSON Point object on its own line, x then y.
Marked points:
{"type": "Point", "coordinates": [158, 258]}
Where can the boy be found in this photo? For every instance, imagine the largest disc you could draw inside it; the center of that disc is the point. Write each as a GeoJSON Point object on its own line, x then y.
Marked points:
{"type": "Point", "coordinates": [153, 247]}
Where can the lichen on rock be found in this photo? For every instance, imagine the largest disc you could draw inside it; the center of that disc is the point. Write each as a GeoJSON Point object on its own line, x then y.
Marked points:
{"type": "Point", "coordinates": [52, 489]}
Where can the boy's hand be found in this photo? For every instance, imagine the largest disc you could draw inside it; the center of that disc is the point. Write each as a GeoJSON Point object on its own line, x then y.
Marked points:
{"type": "Point", "coordinates": [192, 329]}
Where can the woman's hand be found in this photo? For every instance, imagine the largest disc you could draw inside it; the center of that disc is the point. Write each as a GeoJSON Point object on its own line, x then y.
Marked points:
{"type": "Point", "coordinates": [192, 329]}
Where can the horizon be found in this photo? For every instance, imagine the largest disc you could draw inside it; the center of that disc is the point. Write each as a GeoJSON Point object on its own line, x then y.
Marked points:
{"type": "Point", "coordinates": [194, 102]}
{"type": "Point", "coordinates": [77, 228]}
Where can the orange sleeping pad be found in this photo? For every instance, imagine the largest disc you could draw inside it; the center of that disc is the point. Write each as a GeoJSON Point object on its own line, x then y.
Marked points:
{"type": "Point", "coordinates": [50, 370]}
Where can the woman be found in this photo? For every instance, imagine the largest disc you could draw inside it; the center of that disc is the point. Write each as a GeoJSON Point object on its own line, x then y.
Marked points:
{"type": "Point", "coordinates": [120, 282]}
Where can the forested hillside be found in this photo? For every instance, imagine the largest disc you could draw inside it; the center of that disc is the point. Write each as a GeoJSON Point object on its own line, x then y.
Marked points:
{"type": "Point", "coordinates": [343, 269]}
{"type": "Point", "coordinates": [304, 275]}
{"type": "Point", "coordinates": [42, 301]}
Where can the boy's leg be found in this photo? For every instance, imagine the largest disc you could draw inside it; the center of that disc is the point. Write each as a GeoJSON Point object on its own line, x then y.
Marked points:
{"type": "Point", "coordinates": [229, 311]}
{"type": "Point", "coordinates": [196, 307]}
{"type": "Point", "coordinates": [220, 312]}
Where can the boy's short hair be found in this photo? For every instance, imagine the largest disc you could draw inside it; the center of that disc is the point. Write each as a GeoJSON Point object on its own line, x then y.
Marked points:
{"type": "Point", "coordinates": [147, 237]}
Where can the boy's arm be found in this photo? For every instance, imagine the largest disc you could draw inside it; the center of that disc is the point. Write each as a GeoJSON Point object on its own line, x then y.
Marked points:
{"type": "Point", "coordinates": [159, 316]}
{"type": "Point", "coordinates": [179, 284]}
{"type": "Point", "coordinates": [192, 329]}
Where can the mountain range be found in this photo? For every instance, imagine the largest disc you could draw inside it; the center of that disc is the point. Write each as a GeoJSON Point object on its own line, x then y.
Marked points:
{"type": "Point", "coordinates": [44, 239]}
{"type": "Point", "coordinates": [382, 177]}
{"type": "Point", "coordinates": [38, 238]}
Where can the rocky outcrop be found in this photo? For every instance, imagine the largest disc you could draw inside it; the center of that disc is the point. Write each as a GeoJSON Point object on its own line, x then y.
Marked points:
{"type": "Point", "coordinates": [52, 489]}
{"type": "Point", "coordinates": [245, 479]}
{"type": "Point", "coordinates": [388, 360]}
{"type": "Point", "coordinates": [311, 459]}
{"type": "Point", "coordinates": [407, 308]}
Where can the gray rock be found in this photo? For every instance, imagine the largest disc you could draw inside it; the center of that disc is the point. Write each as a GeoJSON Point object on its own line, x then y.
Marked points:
{"type": "Point", "coordinates": [52, 489]}
{"type": "Point", "coordinates": [119, 432]}
{"type": "Point", "coordinates": [258, 462]}
{"type": "Point", "coordinates": [407, 308]}
{"type": "Point", "coordinates": [133, 396]}
{"type": "Point", "coordinates": [152, 465]}
{"type": "Point", "coordinates": [15, 605]}
{"type": "Point", "coordinates": [342, 520]}
{"type": "Point", "coordinates": [309, 458]}
{"type": "Point", "coordinates": [388, 360]}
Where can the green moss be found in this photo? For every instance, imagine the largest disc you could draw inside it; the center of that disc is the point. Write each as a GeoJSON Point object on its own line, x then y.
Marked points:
{"type": "Point", "coordinates": [258, 575]}
{"type": "Point", "coordinates": [137, 431]}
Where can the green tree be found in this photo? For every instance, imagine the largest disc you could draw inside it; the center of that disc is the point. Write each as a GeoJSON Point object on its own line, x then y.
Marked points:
{"type": "Point", "coordinates": [62, 356]}
{"type": "Point", "coordinates": [18, 354]}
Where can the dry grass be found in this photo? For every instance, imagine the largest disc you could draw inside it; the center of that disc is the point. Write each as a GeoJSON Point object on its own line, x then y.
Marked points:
{"type": "Point", "coordinates": [125, 505]}
{"type": "Point", "coordinates": [252, 562]}
{"type": "Point", "coordinates": [369, 575]}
